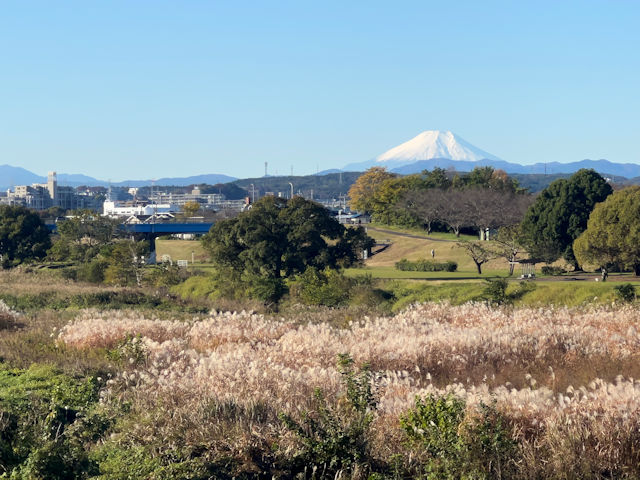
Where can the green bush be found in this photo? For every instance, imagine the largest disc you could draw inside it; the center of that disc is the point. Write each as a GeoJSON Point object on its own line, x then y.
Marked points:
{"type": "Point", "coordinates": [46, 419]}
{"type": "Point", "coordinates": [92, 272]}
{"type": "Point", "coordinates": [35, 301]}
{"type": "Point", "coordinates": [495, 291]}
{"type": "Point", "coordinates": [335, 438]}
{"type": "Point", "coordinates": [221, 283]}
{"type": "Point", "coordinates": [459, 443]}
{"type": "Point", "coordinates": [625, 292]}
{"type": "Point", "coordinates": [166, 275]}
{"type": "Point", "coordinates": [426, 266]}
{"type": "Point", "coordinates": [551, 270]}
{"type": "Point", "coordinates": [267, 289]}
{"type": "Point", "coordinates": [104, 299]}
{"type": "Point", "coordinates": [321, 287]}
{"type": "Point", "coordinates": [524, 287]}
{"type": "Point", "coordinates": [117, 462]}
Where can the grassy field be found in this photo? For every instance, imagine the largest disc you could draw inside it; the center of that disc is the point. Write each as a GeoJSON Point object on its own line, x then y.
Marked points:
{"type": "Point", "coordinates": [181, 250]}
{"type": "Point", "coordinates": [157, 392]}
{"type": "Point", "coordinates": [414, 248]}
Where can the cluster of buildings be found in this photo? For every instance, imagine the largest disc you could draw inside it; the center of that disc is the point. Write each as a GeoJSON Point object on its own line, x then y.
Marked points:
{"type": "Point", "coordinates": [163, 206]}
{"type": "Point", "coordinates": [207, 201]}
{"type": "Point", "coordinates": [132, 207]}
{"type": "Point", "coordinates": [41, 196]}
{"type": "Point", "coordinates": [159, 206]}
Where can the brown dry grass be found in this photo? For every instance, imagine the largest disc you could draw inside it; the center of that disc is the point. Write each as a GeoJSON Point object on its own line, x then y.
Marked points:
{"type": "Point", "coordinates": [561, 377]}
{"type": "Point", "coordinates": [418, 248]}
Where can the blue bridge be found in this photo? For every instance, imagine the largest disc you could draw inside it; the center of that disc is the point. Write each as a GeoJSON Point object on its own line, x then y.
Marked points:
{"type": "Point", "coordinates": [158, 229]}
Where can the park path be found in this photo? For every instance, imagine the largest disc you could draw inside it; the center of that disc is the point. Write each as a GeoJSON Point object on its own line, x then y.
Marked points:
{"type": "Point", "coordinates": [409, 235]}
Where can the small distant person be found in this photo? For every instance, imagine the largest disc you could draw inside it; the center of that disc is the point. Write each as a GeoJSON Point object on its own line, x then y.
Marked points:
{"type": "Point", "coordinates": [605, 274]}
{"type": "Point", "coordinates": [433, 253]}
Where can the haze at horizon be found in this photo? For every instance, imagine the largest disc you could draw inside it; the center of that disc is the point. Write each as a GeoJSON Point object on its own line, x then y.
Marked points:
{"type": "Point", "coordinates": [156, 89]}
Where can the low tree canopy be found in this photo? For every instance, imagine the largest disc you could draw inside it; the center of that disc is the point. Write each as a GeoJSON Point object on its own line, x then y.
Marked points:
{"type": "Point", "coordinates": [277, 239]}
{"type": "Point", "coordinates": [362, 193]}
{"type": "Point", "coordinates": [190, 208]}
{"type": "Point", "coordinates": [23, 236]}
{"type": "Point", "coordinates": [479, 252]}
{"type": "Point", "coordinates": [560, 213]}
{"type": "Point", "coordinates": [612, 237]}
{"type": "Point", "coordinates": [82, 236]}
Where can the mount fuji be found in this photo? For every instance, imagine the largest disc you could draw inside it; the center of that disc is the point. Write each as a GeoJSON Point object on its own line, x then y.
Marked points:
{"type": "Point", "coordinates": [428, 145]}
{"type": "Point", "coordinates": [444, 149]}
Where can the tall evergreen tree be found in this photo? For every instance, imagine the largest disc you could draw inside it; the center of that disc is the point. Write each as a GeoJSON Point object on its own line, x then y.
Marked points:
{"type": "Point", "coordinates": [560, 213]}
{"type": "Point", "coordinates": [23, 236]}
{"type": "Point", "coordinates": [277, 239]}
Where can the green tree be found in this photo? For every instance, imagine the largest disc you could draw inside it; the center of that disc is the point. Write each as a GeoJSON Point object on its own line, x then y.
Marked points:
{"type": "Point", "coordinates": [488, 177]}
{"type": "Point", "coordinates": [125, 263]}
{"type": "Point", "coordinates": [190, 209]}
{"type": "Point", "coordinates": [479, 253]}
{"type": "Point", "coordinates": [560, 213]}
{"type": "Point", "coordinates": [436, 178]}
{"type": "Point", "coordinates": [612, 236]}
{"type": "Point", "coordinates": [509, 239]}
{"type": "Point", "coordinates": [362, 192]}
{"type": "Point", "coordinates": [386, 199]}
{"type": "Point", "coordinates": [277, 239]}
{"type": "Point", "coordinates": [83, 235]}
{"type": "Point", "coordinates": [23, 236]}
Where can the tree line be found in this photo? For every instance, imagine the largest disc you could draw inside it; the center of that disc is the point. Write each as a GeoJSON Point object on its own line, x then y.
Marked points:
{"type": "Point", "coordinates": [578, 219]}
{"type": "Point", "coordinates": [547, 225]}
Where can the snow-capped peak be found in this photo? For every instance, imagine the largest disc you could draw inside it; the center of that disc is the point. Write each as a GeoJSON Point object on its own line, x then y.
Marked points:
{"type": "Point", "coordinates": [434, 144]}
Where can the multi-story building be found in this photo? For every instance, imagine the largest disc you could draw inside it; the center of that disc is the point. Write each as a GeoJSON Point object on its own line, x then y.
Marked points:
{"type": "Point", "coordinates": [41, 196]}
{"type": "Point", "coordinates": [127, 209]}
{"type": "Point", "coordinates": [207, 201]}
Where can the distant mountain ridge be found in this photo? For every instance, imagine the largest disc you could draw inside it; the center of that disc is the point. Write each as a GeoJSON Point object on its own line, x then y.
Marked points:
{"type": "Point", "coordinates": [434, 148]}
{"type": "Point", "coordinates": [428, 145]}
{"type": "Point", "coordinates": [11, 176]}
{"type": "Point", "coordinates": [604, 167]}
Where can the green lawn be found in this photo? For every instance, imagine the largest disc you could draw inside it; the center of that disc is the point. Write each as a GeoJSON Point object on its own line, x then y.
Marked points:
{"type": "Point", "coordinates": [416, 231]}
{"type": "Point", "coordinates": [416, 247]}
{"type": "Point", "coordinates": [181, 250]}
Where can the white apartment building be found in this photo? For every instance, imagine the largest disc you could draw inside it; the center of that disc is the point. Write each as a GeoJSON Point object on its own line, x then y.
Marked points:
{"type": "Point", "coordinates": [114, 209]}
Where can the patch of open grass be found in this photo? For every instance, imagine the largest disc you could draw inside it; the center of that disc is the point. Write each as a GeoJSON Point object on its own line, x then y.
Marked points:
{"type": "Point", "coordinates": [181, 250]}
{"type": "Point", "coordinates": [411, 248]}
{"type": "Point", "coordinates": [375, 229]}
{"type": "Point", "coordinates": [570, 294]}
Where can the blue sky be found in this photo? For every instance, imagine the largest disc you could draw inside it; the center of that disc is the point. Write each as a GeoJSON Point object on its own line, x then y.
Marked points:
{"type": "Point", "coordinates": [147, 89]}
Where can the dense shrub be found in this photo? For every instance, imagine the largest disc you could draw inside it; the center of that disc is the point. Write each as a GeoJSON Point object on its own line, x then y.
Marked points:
{"type": "Point", "coordinates": [321, 287]}
{"type": "Point", "coordinates": [166, 275]}
{"type": "Point", "coordinates": [495, 291]}
{"type": "Point", "coordinates": [333, 289]}
{"type": "Point", "coordinates": [46, 420]}
{"type": "Point", "coordinates": [93, 271]}
{"type": "Point", "coordinates": [426, 266]}
{"type": "Point", "coordinates": [116, 299]}
{"type": "Point", "coordinates": [552, 270]}
{"type": "Point", "coordinates": [334, 438]}
{"type": "Point", "coordinates": [625, 292]}
{"type": "Point", "coordinates": [459, 443]}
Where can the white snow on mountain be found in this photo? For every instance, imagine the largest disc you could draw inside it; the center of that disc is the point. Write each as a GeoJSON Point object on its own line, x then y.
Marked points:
{"type": "Point", "coordinates": [434, 144]}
